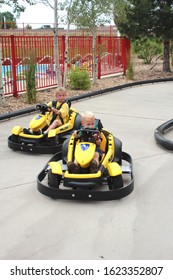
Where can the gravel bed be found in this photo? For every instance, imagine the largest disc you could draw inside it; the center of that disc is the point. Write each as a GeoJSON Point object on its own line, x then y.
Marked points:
{"type": "Point", "coordinates": [141, 72]}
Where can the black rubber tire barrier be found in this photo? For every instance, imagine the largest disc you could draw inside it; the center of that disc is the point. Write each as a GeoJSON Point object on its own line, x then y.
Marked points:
{"type": "Point", "coordinates": [159, 135]}
{"type": "Point", "coordinates": [86, 95]}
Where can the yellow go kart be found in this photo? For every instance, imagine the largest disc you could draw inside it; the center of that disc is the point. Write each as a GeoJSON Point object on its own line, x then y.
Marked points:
{"type": "Point", "coordinates": [37, 142]}
{"type": "Point", "coordinates": [113, 180]}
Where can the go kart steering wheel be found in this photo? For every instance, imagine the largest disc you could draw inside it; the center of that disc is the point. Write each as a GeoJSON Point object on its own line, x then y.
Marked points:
{"type": "Point", "coordinates": [43, 108]}
{"type": "Point", "coordinates": [87, 134]}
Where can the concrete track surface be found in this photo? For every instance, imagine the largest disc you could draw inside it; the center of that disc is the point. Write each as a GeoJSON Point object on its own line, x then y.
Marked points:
{"type": "Point", "coordinates": [139, 226]}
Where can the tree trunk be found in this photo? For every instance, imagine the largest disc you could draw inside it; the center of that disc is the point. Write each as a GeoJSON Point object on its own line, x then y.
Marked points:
{"type": "Point", "coordinates": [66, 57]}
{"type": "Point", "coordinates": [56, 46]}
{"type": "Point", "coordinates": [65, 70]}
{"type": "Point", "coordinates": [166, 56]}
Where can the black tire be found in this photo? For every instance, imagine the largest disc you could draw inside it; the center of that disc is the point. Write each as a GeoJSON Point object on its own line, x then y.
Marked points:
{"type": "Point", "coordinates": [54, 180]}
{"type": "Point", "coordinates": [14, 138]}
{"type": "Point", "coordinates": [118, 151]}
{"type": "Point", "coordinates": [54, 140]}
{"type": "Point", "coordinates": [65, 149]}
{"type": "Point", "coordinates": [115, 182]}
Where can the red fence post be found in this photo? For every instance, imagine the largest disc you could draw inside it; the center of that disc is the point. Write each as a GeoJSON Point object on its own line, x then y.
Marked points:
{"type": "Point", "coordinates": [124, 54]}
{"type": "Point", "coordinates": [128, 51]}
{"type": "Point", "coordinates": [14, 79]}
{"type": "Point", "coordinates": [98, 57]}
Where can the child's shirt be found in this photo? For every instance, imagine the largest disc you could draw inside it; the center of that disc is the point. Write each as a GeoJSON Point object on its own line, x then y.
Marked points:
{"type": "Point", "coordinates": [64, 109]}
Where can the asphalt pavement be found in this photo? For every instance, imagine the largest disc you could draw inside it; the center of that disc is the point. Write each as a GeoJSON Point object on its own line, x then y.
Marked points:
{"type": "Point", "coordinates": [139, 226]}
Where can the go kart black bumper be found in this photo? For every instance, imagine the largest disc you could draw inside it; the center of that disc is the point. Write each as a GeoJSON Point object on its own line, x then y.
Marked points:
{"type": "Point", "coordinates": [82, 192]}
{"type": "Point", "coordinates": [36, 146]}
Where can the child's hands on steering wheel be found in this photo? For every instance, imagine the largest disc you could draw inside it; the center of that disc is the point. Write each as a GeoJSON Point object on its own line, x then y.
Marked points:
{"type": "Point", "coordinates": [90, 135]}
{"type": "Point", "coordinates": [96, 137]}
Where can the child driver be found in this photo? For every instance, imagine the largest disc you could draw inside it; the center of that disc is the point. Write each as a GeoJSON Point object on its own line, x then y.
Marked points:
{"type": "Point", "coordinates": [87, 121]}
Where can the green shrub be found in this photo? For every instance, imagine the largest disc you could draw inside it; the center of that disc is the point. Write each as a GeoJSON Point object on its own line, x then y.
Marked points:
{"type": "Point", "coordinates": [31, 82]}
{"type": "Point", "coordinates": [79, 79]}
{"type": "Point", "coordinates": [147, 48]}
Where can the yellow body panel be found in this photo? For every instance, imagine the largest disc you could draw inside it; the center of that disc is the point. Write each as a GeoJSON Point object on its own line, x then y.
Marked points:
{"type": "Point", "coordinates": [55, 167]}
{"type": "Point", "coordinates": [39, 121]}
{"type": "Point", "coordinates": [70, 149]}
{"type": "Point", "coordinates": [74, 110]}
{"type": "Point", "coordinates": [52, 133]}
{"type": "Point", "coordinates": [114, 169]}
{"type": "Point", "coordinates": [63, 128]}
{"type": "Point", "coordinates": [16, 130]}
{"type": "Point", "coordinates": [84, 152]}
{"type": "Point", "coordinates": [110, 153]}
{"type": "Point", "coordinates": [31, 136]}
{"type": "Point", "coordinates": [67, 126]}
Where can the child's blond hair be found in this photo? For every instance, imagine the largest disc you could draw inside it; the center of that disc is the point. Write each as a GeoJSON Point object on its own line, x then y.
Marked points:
{"type": "Point", "coordinates": [87, 115]}
{"type": "Point", "coordinates": [60, 89]}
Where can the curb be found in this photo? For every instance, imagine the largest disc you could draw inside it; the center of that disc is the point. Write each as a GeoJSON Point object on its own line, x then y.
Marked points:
{"type": "Point", "coordinates": [86, 95]}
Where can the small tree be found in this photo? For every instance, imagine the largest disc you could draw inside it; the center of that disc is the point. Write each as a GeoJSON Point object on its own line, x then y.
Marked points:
{"type": "Point", "coordinates": [130, 68]}
{"type": "Point", "coordinates": [31, 80]}
{"type": "Point", "coordinates": [89, 15]}
{"type": "Point", "coordinates": [147, 48]}
{"type": "Point", "coordinates": [68, 7]}
{"type": "Point", "coordinates": [10, 21]}
{"type": "Point", "coordinates": [54, 4]}
{"type": "Point", "coordinates": [28, 26]}
{"type": "Point", "coordinates": [149, 18]}
{"type": "Point", "coordinates": [16, 5]}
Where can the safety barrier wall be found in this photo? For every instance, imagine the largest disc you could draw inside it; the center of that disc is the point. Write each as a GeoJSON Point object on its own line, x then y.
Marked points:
{"type": "Point", "coordinates": [17, 52]}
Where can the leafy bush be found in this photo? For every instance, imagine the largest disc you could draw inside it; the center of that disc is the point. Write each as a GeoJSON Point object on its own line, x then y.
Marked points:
{"type": "Point", "coordinates": [147, 48]}
{"type": "Point", "coordinates": [79, 79]}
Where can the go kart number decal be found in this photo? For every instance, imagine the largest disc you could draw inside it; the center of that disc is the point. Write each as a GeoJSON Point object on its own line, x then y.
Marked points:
{"type": "Point", "coordinates": [84, 147]}
{"type": "Point", "coordinates": [38, 117]}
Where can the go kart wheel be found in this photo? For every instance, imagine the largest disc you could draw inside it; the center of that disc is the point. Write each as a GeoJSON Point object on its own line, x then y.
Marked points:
{"type": "Point", "coordinates": [65, 149]}
{"type": "Point", "coordinates": [14, 138]}
{"type": "Point", "coordinates": [54, 179]}
{"type": "Point", "coordinates": [54, 140]}
{"type": "Point", "coordinates": [118, 150]}
{"type": "Point", "coordinates": [115, 182]}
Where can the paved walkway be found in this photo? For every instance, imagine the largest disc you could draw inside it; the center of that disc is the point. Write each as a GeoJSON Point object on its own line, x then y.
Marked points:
{"type": "Point", "coordinates": [139, 226]}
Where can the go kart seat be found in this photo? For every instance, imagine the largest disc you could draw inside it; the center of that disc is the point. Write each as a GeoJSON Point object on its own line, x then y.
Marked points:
{"type": "Point", "coordinates": [103, 144]}
{"type": "Point", "coordinates": [77, 123]}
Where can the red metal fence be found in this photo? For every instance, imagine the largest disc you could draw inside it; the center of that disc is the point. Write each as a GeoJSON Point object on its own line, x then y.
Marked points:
{"type": "Point", "coordinates": [17, 51]}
